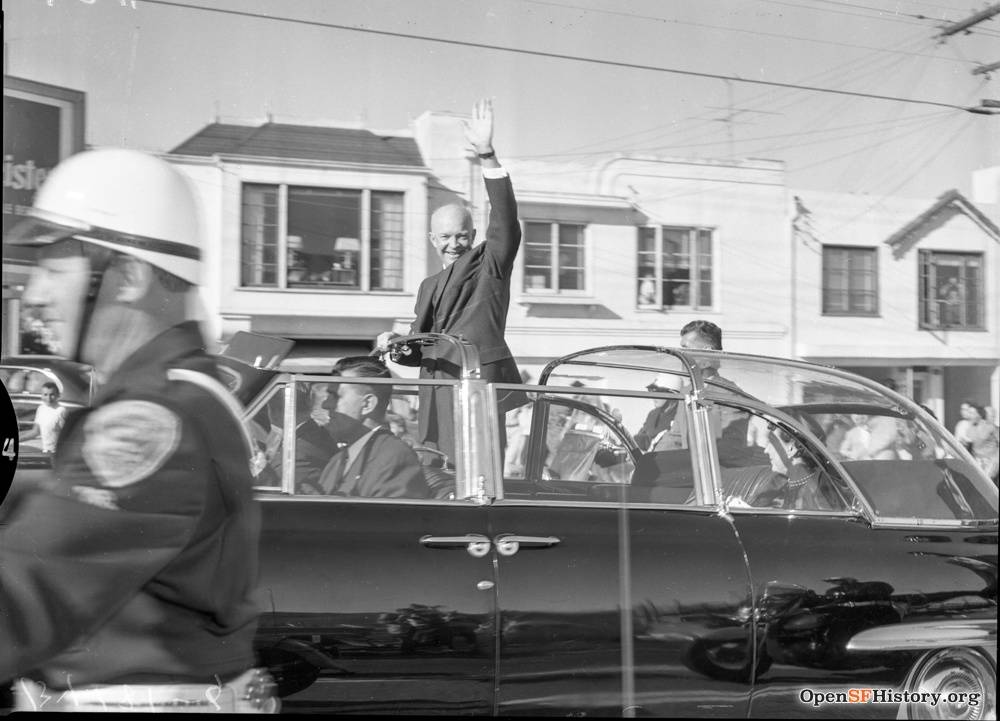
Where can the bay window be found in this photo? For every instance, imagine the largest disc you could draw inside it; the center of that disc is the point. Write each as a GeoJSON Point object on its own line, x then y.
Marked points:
{"type": "Point", "coordinates": [321, 238]}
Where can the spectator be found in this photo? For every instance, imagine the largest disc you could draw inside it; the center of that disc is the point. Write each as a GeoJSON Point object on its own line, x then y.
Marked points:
{"type": "Point", "coordinates": [835, 433]}
{"type": "Point", "coordinates": [50, 416]}
{"type": "Point", "coordinates": [967, 412]}
{"type": "Point", "coordinates": [983, 438]}
{"type": "Point", "coordinates": [397, 425]}
{"type": "Point", "coordinates": [857, 439]}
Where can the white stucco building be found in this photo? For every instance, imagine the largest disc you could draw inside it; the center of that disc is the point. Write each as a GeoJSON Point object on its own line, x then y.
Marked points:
{"type": "Point", "coordinates": [321, 235]}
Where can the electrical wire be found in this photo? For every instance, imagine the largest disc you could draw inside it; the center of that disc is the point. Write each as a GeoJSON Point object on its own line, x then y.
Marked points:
{"type": "Point", "coordinates": [713, 27]}
{"type": "Point", "coordinates": [554, 56]}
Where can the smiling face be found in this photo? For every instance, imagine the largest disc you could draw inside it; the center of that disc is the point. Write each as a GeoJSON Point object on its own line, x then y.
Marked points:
{"type": "Point", "coordinates": [451, 233]}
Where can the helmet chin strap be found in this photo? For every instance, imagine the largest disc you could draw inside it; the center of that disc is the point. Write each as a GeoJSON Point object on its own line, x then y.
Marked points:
{"type": "Point", "coordinates": [89, 304]}
{"type": "Point", "coordinates": [100, 261]}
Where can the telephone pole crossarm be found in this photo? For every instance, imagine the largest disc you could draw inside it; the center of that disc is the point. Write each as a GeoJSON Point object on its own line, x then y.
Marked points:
{"type": "Point", "coordinates": [974, 19]}
{"type": "Point", "coordinates": [983, 69]}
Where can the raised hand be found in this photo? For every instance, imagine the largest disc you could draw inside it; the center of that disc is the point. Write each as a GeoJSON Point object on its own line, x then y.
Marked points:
{"type": "Point", "coordinates": [479, 130]}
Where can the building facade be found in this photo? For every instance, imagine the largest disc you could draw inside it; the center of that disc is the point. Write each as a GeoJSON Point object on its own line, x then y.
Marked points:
{"type": "Point", "coordinates": [322, 237]}
{"type": "Point", "coordinates": [317, 233]}
{"type": "Point", "coordinates": [901, 289]}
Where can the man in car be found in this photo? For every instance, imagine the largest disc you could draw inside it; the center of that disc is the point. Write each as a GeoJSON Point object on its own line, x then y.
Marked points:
{"type": "Point", "coordinates": [50, 417]}
{"type": "Point", "coordinates": [730, 428]}
{"type": "Point", "coordinates": [470, 296]}
{"type": "Point", "coordinates": [372, 461]}
{"type": "Point", "coordinates": [665, 427]}
{"type": "Point", "coordinates": [127, 581]}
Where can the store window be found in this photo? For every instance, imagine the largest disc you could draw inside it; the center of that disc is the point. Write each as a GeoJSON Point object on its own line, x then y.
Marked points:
{"type": "Point", "coordinates": [328, 238]}
{"type": "Point", "coordinates": [675, 268]}
{"type": "Point", "coordinates": [554, 257]}
{"type": "Point", "coordinates": [850, 281]}
{"type": "Point", "coordinates": [951, 290]}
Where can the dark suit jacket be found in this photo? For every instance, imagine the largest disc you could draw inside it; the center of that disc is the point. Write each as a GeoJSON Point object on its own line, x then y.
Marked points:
{"type": "Point", "coordinates": [385, 467]}
{"type": "Point", "coordinates": [469, 298]}
{"type": "Point", "coordinates": [313, 449]}
{"type": "Point", "coordinates": [659, 419]}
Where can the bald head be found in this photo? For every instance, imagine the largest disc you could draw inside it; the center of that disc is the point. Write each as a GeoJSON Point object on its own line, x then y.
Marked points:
{"type": "Point", "coordinates": [452, 233]}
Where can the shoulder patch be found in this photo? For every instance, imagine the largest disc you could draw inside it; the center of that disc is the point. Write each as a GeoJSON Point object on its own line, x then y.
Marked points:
{"type": "Point", "coordinates": [127, 441]}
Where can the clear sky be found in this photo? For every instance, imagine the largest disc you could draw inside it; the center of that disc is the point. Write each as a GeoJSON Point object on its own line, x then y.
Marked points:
{"type": "Point", "coordinates": [156, 73]}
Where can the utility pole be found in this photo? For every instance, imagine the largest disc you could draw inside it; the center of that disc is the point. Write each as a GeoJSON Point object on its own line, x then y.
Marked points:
{"type": "Point", "coordinates": [973, 19]}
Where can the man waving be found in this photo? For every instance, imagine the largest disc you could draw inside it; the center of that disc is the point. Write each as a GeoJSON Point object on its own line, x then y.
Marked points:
{"type": "Point", "coordinates": [470, 296]}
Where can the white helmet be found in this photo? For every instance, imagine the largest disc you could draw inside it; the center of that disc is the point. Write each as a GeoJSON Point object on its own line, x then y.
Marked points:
{"type": "Point", "coordinates": [125, 200]}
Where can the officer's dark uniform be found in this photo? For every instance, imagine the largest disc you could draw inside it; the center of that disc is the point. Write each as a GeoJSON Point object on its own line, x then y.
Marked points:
{"type": "Point", "coordinates": [136, 564]}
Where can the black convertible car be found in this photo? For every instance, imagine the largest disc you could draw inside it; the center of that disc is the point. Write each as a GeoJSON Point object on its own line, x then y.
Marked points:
{"type": "Point", "coordinates": [791, 540]}
{"type": "Point", "coordinates": [645, 532]}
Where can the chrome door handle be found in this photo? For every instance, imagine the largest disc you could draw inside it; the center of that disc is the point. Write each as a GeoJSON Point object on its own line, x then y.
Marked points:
{"type": "Point", "coordinates": [510, 543]}
{"type": "Point", "coordinates": [475, 544]}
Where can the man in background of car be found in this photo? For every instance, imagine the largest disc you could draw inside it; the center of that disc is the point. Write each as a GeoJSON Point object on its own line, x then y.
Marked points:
{"type": "Point", "coordinates": [731, 429]}
{"type": "Point", "coordinates": [50, 416]}
{"type": "Point", "coordinates": [665, 428]}
{"type": "Point", "coordinates": [469, 297]}
{"type": "Point", "coordinates": [127, 580]}
{"type": "Point", "coordinates": [373, 462]}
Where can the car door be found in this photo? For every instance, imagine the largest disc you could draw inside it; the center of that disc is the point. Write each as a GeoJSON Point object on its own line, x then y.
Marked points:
{"type": "Point", "coordinates": [370, 605]}
{"type": "Point", "coordinates": [825, 572]}
{"type": "Point", "coordinates": [615, 596]}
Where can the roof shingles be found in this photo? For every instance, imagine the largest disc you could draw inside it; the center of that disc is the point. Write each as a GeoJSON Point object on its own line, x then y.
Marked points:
{"type": "Point", "coordinates": [303, 142]}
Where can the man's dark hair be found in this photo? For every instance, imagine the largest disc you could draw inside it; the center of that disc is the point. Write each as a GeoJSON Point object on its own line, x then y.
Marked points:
{"type": "Point", "coordinates": [368, 367]}
{"type": "Point", "coordinates": [50, 384]}
{"type": "Point", "coordinates": [706, 330]}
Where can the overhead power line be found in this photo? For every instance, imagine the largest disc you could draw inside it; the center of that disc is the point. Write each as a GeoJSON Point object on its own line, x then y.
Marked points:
{"type": "Point", "coordinates": [556, 56]}
{"type": "Point", "coordinates": [760, 33]}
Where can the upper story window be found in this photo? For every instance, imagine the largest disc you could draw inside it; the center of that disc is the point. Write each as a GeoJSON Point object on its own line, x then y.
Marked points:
{"type": "Point", "coordinates": [554, 257]}
{"type": "Point", "coordinates": [850, 281]}
{"type": "Point", "coordinates": [951, 290]}
{"type": "Point", "coordinates": [675, 268]}
{"type": "Point", "coordinates": [325, 238]}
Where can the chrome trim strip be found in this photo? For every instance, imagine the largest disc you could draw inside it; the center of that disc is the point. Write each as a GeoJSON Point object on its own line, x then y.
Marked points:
{"type": "Point", "coordinates": [931, 634]}
{"type": "Point", "coordinates": [706, 510]}
{"type": "Point", "coordinates": [270, 497]}
{"type": "Point", "coordinates": [906, 522]}
{"type": "Point", "coordinates": [288, 439]}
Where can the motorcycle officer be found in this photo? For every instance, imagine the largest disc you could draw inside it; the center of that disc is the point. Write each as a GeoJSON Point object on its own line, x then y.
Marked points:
{"type": "Point", "coordinates": [127, 579]}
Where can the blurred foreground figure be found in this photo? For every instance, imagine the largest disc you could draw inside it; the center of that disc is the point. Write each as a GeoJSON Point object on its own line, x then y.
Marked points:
{"type": "Point", "coordinates": [127, 579]}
